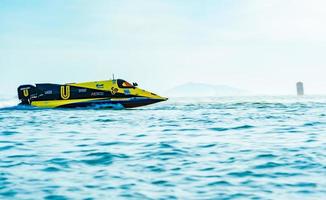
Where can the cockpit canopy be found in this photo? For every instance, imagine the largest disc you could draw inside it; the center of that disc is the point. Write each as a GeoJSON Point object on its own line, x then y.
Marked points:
{"type": "Point", "coordinates": [124, 84]}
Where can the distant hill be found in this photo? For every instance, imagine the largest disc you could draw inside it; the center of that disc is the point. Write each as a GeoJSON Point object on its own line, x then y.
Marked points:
{"type": "Point", "coordinates": [204, 90]}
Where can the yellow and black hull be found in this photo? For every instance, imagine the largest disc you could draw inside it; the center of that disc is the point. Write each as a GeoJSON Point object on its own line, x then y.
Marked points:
{"type": "Point", "coordinates": [90, 94]}
{"type": "Point", "coordinates": [102, 103]}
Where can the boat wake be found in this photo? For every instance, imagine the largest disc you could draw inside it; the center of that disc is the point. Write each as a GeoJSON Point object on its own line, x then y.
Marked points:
{"type": "Point", "coordinates": [13, 104]}
{"type": "Point", "coordinates": [8, 103]}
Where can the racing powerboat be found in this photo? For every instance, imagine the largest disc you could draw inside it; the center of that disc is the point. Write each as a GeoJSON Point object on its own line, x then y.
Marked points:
{"type": "Point", "coordinates": [88, 94]}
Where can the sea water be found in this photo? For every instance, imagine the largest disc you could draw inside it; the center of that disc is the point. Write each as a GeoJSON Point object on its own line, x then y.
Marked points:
{"type": "Point", "coordinates": [209, 148]}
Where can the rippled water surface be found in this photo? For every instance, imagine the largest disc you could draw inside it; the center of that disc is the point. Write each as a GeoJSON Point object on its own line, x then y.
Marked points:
{"type": "Point", "coordinates": [222, 148]}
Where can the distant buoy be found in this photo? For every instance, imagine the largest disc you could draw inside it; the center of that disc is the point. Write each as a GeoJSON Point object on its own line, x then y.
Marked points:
{"type": "Point", "coordinates": [300, 89]}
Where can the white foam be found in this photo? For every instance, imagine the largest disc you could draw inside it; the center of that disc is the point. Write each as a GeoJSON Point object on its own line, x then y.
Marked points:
{"type": "Point", "coordinates": [8, 102]}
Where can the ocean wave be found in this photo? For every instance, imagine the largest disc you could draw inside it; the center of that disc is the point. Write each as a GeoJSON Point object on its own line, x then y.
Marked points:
{"type": "Point", "coordinates": [243, 127]}
{"type": "Point", "coordinates": [177, 150]}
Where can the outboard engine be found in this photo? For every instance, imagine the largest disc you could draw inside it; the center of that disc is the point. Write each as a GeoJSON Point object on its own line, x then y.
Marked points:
{"type": "Point", "coordinates": [26, 93]}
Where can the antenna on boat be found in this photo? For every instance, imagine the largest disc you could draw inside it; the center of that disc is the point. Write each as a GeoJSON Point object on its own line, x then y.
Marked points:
{"type": "Point", "coordinates": [113, 76]}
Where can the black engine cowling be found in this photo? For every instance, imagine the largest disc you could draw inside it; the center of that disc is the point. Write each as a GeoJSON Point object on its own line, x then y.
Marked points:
{"type": "Point", "coordinates": [26, 93]}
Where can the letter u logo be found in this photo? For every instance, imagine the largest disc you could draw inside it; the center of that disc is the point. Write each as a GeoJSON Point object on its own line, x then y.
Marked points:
{"type": "Point", "coordinates": [65, 92]}
{"type": "Point", "coordinates": [25, 92]}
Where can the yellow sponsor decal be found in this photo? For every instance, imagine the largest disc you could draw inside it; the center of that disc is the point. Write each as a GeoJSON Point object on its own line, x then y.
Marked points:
{"type": "Point", "coordinates": [114, 90]}
{"type": "Point", "coordinates": [65, 92]}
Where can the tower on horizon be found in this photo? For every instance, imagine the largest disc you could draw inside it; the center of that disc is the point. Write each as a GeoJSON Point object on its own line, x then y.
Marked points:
{"type": "Point", "coordinates": [300, 89]}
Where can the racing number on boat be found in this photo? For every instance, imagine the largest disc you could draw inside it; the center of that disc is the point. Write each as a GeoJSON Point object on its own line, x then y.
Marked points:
{"type": "Point", "coordinates": [65, 92]}
{"type": "Point", "coordinates": [25, 92]}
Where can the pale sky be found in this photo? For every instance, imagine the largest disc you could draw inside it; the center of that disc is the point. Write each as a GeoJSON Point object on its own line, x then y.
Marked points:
{"type": "Point", "coordinates": [264, 46]}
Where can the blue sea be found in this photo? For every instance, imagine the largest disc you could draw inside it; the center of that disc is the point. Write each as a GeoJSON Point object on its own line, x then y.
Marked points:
{"type": "Point", "coordinates": [200, 148]}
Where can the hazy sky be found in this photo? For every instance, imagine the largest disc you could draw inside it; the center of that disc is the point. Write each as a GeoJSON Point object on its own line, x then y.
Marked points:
{"type": "Point", "coordinates": [264, 46]}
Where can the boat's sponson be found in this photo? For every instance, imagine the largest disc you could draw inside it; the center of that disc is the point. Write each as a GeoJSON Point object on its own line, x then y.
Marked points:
{"type": "Point", "coordinates": [86, 94]}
